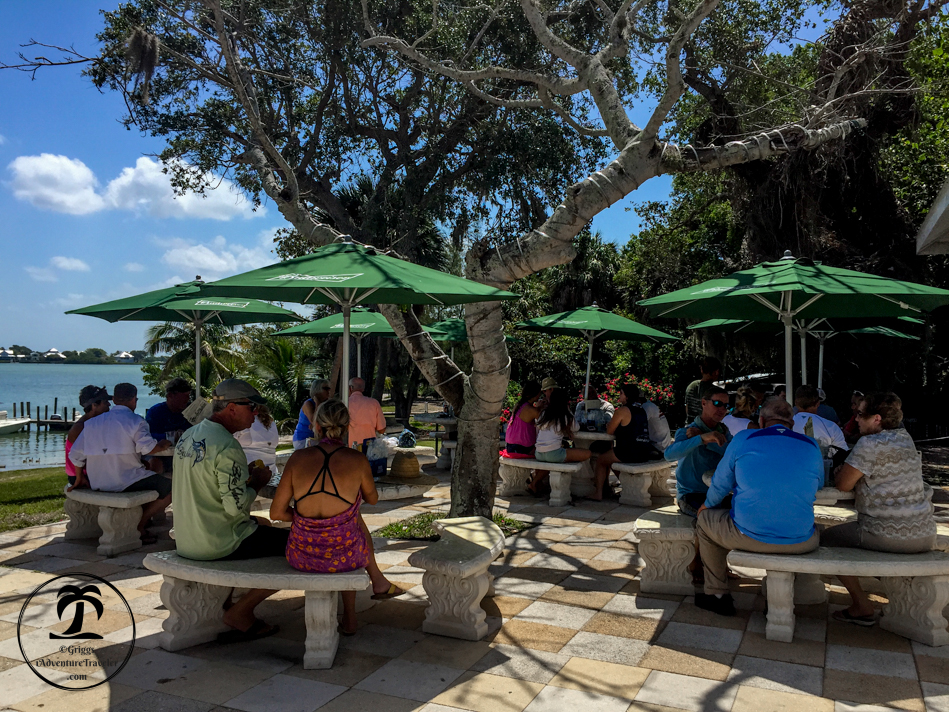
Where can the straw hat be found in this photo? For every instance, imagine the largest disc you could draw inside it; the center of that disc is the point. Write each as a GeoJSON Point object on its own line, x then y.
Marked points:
{"type": "Point", "coordinates": [405, 469]}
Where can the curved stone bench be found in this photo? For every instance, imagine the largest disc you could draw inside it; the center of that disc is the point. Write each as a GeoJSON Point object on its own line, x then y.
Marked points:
{"type": "Point", "coordinates": [456, 575]}
{"type": "Point", "coordinates": [640, 481]}
{"type": "Point", "coordinates": [194, 593]}
{"type": "Point", "coordinates": [515, 474]}
{"type": "Point", "coordinates": [113, 517]}
{"type": "Point", "coordinates": [917, 587]}
{"type": "Point", "coordinates": [667, 546]}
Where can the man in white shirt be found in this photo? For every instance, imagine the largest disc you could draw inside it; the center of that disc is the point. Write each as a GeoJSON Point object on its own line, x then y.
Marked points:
{"type": "Point", "coordinates": [110, 448]}
{"type": "Point", "coordinates": [807, 422]}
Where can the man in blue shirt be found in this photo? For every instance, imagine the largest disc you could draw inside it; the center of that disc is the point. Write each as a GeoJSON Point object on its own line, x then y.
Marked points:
{"type": "Point", "coordinates": [773, 475]}
{"type": "Point", "coordinates": [699, 447]}
{"type": "Point", "coordinates": [167, 416]}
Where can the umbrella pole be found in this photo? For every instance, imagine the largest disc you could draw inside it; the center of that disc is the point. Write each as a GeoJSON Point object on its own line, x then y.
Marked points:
{"type": "Point", "coordinates": [197, 358]}
{"type": "Point", "coordinates": [344, 369]}
{"type": "Point", "coordinates": [586, 388]}
{"type": "Point", "coordinates": [820, 362]}
{"type": "Point", "coordinates": [803, 335]}
{"type": "Point", "coordinates": [788, 358]}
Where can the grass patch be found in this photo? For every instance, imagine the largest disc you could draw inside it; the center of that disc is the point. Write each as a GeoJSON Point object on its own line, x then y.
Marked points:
{"type": "Point", "coordinates": [31, 497]}
{"type": "Point", "coordinates": [420, 526]}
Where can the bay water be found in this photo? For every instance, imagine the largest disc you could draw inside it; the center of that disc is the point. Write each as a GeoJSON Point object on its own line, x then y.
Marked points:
{"type": "Point", "coordinates": [40, 384]}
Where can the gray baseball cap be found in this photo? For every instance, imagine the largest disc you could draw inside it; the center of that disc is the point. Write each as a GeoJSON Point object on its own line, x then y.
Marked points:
{"type": "Point", "coordinates": [234, 389]}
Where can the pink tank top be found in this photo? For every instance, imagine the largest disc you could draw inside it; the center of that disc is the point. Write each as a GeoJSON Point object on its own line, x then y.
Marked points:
{"type": "Point", "coordinates": [70, 468]}
{"type": "Point", "coordinates": [519, 432]}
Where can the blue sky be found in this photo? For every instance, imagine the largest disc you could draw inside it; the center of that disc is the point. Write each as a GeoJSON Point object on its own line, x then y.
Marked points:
{"type": "Point", "coordinates": [87, 215]}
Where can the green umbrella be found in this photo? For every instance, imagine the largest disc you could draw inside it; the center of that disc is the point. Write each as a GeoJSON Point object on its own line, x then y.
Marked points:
{"type": "Point", "coordinates": [593, 323]}
{"type": "Point", "coordinates": [180, 303]}
{"type": "Point", "coordinates": [348, 274]}
{"type": "Point", "coordinates": [456, 331]}
{"type": "Point", "coordinates": [797, 289]}
{"type": "Point", "coordinates": [823, 332]}
{"type": "Point", "coordinates": [362, 323]}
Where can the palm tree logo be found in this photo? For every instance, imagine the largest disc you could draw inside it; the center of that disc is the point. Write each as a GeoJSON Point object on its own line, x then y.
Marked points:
{"type": "Point", "coordinates": [69, 595]}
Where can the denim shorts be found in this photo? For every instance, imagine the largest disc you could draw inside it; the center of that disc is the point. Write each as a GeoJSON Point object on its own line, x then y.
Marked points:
{"type": "Point", "coordinates": [559, 455]}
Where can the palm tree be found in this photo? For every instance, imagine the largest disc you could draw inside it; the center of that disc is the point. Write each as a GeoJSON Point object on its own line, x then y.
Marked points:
{"type": "Point", "coordinates": [220, 357]}
{"type": "Point", "coordinates": [588, 278]}
{"type": "Point", "coordinates": [281, 369]}
{"type": "Point", "coordinates": [69, 595]}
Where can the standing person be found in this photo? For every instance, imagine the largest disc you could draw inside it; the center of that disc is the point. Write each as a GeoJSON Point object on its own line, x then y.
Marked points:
{"type": "Point", "coordinates": [320, 391]}
{"type": "Point", "coordinates": [743, 415]}
{"type": "Point", "coordinates": [521, 429]}
{"type": "Point", "coordinates": [214, 491]}
{"type": "Point", "coordinates": [772, 470]}
{"type": "Point", "coordinates": [894, 505]}
{"type": "Point", "coordinates": [639, 435]}
{"type": "Point", "coordinates": [553, 427]}
{"type": "Point", "coordinates": [328, 534]}
{"type": "Point", "coordinates": [111, 446]}
{"type": "Point", "coordinates": [711, 369]}
{"type": "Point", "coordinates": [260, 439]}
{"type": "Point", "coordinates": [826, 433]}
{"type": "Point", "coordinates": [167, 416]}
{"type": "Point", "coordinates": [94, 401]}
{"type": "Point", "coordinates": [365, 414]}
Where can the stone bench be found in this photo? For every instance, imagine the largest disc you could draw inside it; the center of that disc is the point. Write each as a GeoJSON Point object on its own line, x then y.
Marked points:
{"type": "Point", "coordinates": [641, 481]}
{"type": "Point", "coordinates": [667, 546]}
{"type": "Point", "coordinates": [456, 575]}
{"type": "Point", "coordinates": [112, 517]}
{"type": "Point", "coordinates": [194, 593]}
{"type": "Point", "coordinates": [515, 474]}
{"type": "Point", "coordinates": [917, 586]}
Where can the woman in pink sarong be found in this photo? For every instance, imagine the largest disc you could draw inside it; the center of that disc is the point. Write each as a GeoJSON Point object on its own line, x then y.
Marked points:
{"type": "Point", "coordinates": [327, 534]}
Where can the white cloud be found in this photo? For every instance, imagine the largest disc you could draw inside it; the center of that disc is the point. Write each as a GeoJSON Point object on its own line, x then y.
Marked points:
{"type": "Point", "coordinates": [70, 264]}
{"type": "Point", "coordinates": [41, 274]}
{"type": "Point", "coordinates": [3, 139]}
{"type": "Point", "coordinates": [145, 188]}
{"type": "Point", "coordinates": [68, 185]}
{"type": "Point", "coordinates": [215, 259]}
{"type": "Point", "coordinates": [56, 183]}
{"type": "Point", "coordinates": [134, 267]}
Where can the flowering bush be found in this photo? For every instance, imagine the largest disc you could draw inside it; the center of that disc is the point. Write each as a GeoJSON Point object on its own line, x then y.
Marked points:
{"type": "Point", "coordinates": [655, 391]}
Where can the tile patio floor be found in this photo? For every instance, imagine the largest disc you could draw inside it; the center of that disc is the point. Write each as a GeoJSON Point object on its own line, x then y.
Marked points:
{"type": "Point", "coordinates": [569, 631]}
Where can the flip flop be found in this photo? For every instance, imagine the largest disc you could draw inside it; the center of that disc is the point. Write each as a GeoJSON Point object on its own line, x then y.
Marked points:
{"type": "Point", "coordinates": [844, 616]}
{"type": "Point", "coordinates": [257, 630]}
{"type": "Point", "coordinates": [391, 593]}
{"type": "Point", "coordinates": [148, 539]}
{"type": "Point", "coordinates": [343, 631]}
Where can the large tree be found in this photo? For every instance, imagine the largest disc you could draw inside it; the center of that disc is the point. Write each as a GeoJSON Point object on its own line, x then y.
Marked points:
{"type": "Point", "coordinates": [486, 109]}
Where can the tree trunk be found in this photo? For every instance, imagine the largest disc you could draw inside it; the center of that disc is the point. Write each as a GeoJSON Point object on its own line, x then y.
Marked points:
{"type": "Point", "coordinates": [382, 370]}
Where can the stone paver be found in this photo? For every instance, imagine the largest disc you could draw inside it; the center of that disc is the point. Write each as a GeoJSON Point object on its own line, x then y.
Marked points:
{"type": "Point", "coordinates": [569, 630]}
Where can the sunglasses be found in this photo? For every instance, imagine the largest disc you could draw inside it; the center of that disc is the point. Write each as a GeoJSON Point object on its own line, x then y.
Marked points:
{"type": "Point", "coordinates": [719, 403]}
{"type": "Point", "coordinates": [252, 406]}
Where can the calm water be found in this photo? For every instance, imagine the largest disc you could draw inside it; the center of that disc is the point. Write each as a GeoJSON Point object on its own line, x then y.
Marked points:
{"type": "Point", "coordinates": [40, 383]}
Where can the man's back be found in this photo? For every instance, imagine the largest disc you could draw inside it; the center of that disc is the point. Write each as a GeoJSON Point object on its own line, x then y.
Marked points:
{"type": "Point", "coordinates": [161, 419]}
{"type": "Point", "coordinates": [210, 492]}
{"type": "Point", "coordinates": [824, 431]}
{"type": "Point", "coordinates": [112, 445]}
{"type": "Point", "coordinates": [775, 474]}
{"type": "Point", "coordinates": [365, 418]}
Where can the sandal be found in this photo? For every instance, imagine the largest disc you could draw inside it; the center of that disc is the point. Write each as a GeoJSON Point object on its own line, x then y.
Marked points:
{"type": "Point", "coordinates": [844, 616]}
{"type": "Point", "coordinates": [148, 539]}
{"type": "Point", "coordinates": [391, 593]}
{"type": "Point", "coordinates": [258, 629]}
{"type": "Point", "coordinates": [343, 631]}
